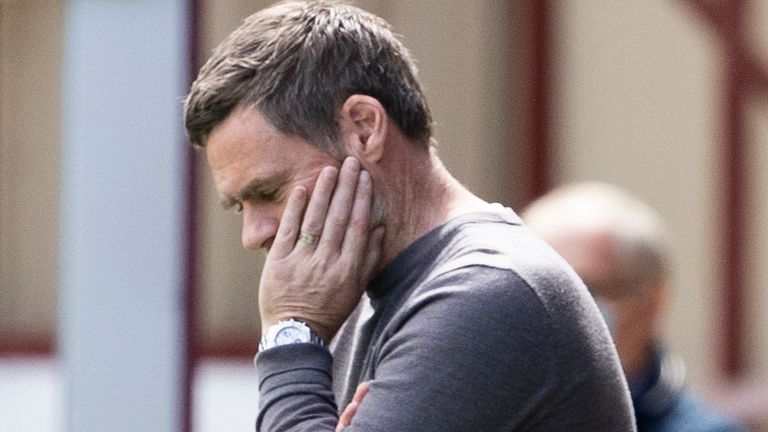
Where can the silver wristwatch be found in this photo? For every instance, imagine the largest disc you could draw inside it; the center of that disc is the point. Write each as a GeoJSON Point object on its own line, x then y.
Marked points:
{"type": "Point", "coordinates": [289, 332]}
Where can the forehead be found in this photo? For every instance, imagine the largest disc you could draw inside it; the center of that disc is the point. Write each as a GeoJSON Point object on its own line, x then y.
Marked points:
{"type": "Point", "coordinates": [245, 132]}
{"type": "Point", "coordinates": [588, 252]}
{"type": "Point", "coordinates": [593, 255]}
{"type": "Point", "coordinates": [246, 146]}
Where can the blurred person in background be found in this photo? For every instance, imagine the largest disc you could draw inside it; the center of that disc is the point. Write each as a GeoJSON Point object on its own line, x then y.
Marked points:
{"type": "Point", "coordinates": [316, 128]}
{"type": "Point", "coordinates": [616, 243]}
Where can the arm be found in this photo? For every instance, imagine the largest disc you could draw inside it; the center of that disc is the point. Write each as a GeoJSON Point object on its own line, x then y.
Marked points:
{"type": "Point", "coordinates": [319, 284]}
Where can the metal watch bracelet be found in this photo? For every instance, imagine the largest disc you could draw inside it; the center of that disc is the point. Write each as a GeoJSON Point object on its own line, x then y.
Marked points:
{"type": "Point", "coordinates": [289, 332]}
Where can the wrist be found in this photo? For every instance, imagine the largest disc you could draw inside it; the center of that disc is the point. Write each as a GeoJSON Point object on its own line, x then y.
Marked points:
{"type": "Point", "coordinates": [323, 331]}
{"type": "Point", "coordinates": [288, 332]}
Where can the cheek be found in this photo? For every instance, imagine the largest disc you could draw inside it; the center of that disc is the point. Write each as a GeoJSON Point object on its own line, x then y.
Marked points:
{"type": "Point", "coordinates": [632, 325]}
{"type": "Point", "coordinates": [308, 183]}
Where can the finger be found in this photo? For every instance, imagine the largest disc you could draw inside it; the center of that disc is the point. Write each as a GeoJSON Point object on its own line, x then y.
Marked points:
{"type": "Point", "coordinates": [359, 224]}
{"type": "Point", "coordinates": [341, 205]}
{"type": "Point", "coordinates": [374, 251]}
{"type": "Point", "coordinates": [287, 231]}
{"type": "Point", "coordinates": [349, 412]}
{"type": "Point", "coordinates": [314, 217]}
{"type": "Point", "coordinates": [345, 419]}
{"type": "Point", "coordinates": [361, 391]}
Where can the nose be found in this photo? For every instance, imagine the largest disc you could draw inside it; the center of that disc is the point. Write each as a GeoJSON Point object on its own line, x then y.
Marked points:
{"type": "Point", "coordinates": [259, 227]}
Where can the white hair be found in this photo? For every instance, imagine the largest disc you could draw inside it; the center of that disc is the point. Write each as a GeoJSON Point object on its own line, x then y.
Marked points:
{"type": "Point", "coordinates": [636, 228]}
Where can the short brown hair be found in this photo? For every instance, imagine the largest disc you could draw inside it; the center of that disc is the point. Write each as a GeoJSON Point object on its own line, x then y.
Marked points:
{"type": "Point", "coordinates": [297, 62]}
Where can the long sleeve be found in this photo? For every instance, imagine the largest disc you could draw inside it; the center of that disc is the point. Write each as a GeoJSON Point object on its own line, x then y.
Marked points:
{"type": "Point", "coordinates": [295, 389]}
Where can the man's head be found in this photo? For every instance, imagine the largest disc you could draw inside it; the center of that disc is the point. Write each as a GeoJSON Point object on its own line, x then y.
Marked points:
{"type": "Point", "coordinates": [297, 87]}
{"type": "Point", "coordinates": [297, 63]}
{"type": "Point", "coordinates": [615, 243]}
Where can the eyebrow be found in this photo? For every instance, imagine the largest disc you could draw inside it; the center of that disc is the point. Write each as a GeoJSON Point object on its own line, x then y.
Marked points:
{"type": "Point", "coordinates": [254, 188]}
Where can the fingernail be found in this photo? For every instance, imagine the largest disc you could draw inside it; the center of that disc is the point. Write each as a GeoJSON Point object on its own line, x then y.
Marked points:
{"type": "Point", "coordinates": [365, 177]}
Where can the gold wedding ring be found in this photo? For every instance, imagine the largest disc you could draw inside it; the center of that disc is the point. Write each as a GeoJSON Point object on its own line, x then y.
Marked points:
{"type": "Point", "coordinates": [308, 239]}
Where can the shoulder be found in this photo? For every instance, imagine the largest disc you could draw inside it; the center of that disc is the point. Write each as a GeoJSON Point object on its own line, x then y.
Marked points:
{"type": "Point", "coordinates": [496, 273]}
{"type": "Point", "coordinates": [497, 310]}
{"type": "Point", "coordinates": [499, 255]}
{"type": "Point", "coordinates": [491, 263]}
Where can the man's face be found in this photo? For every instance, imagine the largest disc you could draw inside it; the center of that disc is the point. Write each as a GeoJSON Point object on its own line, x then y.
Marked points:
{"type": "Point", "coordinates": [255, 167]}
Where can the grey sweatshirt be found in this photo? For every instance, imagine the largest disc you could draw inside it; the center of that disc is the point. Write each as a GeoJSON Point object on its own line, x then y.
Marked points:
{"type": "Point", "coordinates": [476, 326]}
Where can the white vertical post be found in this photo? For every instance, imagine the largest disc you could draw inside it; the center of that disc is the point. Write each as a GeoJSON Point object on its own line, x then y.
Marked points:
{"type": "Point", "coordinates": [121, 336]}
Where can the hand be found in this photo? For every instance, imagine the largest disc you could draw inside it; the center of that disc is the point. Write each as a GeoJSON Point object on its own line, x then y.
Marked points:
{"type": "Point", "coordinates": [349, 412]}
{"type": "Point", "coordinates": [322, 283]}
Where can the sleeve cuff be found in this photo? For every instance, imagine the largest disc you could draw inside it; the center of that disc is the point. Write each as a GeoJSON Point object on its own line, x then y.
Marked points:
{"type": "Point", "coordinates": [292, 364]}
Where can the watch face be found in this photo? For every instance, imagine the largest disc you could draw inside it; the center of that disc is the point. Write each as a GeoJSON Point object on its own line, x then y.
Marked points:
{"type": "Point", "coordinates": [290, 335]}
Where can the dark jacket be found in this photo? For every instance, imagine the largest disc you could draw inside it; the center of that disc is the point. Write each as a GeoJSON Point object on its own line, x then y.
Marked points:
{"type": "Point", "coordinates": [662, 403]}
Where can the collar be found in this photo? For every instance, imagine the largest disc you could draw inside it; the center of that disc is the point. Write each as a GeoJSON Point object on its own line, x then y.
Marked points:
{"type": "Point", "coordinates": [427, 247]}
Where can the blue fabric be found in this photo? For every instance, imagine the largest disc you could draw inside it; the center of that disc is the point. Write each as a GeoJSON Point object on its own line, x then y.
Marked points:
{"type": "Point", "coordinates": [663, 405]}
{"type": "Point", "coordinates": [688, 415]}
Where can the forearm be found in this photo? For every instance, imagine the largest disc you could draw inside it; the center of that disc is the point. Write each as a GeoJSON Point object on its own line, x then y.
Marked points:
{"type": "Point", "coordinates": [295, 389]}
{"type": "Point", "coordinates": [322, 258]}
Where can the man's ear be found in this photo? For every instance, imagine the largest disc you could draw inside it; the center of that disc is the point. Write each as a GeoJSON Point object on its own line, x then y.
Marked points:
{"type": "Point", "coordinates": [364, 126]}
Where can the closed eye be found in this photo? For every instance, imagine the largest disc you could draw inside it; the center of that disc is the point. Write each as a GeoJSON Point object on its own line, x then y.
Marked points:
{"type": "Point", "coordinates": [231, 204]}
{"type": "Point", "coordinates": [259, 190]}
{"type": "Point", "coordinates": [270, 195]}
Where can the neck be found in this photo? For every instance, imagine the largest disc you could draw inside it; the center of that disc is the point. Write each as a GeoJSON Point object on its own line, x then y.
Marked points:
{"type": "Point", "coordinates": [635, 364]}
{"type": "Point", "coordinates": [420, 194]}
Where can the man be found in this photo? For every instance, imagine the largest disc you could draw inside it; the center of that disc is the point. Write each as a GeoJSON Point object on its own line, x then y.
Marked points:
{"type": "Point", "coordinates": [616, 244]}
{"type": "Point", "coordinates": [316, 128]}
